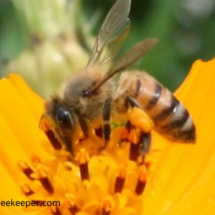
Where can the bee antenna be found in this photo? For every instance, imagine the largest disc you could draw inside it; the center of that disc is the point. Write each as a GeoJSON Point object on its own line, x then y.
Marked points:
{"type": "Point", "coordinates": [99, 84]}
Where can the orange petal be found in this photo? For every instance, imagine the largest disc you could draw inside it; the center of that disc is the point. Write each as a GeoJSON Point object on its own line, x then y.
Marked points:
{"type": "Point", "coordinates": [184, 174]}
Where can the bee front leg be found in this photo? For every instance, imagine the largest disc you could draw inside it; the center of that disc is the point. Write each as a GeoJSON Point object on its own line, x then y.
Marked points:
{"type": "Point", "coordinates": [106, 122]}
{"type": "Point", "coordinates": [84, 127]}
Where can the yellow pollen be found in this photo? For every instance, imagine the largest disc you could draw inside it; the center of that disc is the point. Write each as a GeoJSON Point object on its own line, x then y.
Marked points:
{"type": "Point", "coordinates": [44, 124]}
{"type": "Point", "coordinates": [55, 210]}
{"type": "Point", "coordinates": [122, 172]}
{"type": "Point", "coordinates": [134, 136]}
{"type": "Point", "coordinates": [83, 159]}
{"type": "Point", "coordinates": [25, 188]}
{"type": "Point", "coordinates": [70, 203]}
{"type": "Point", "coordinates": [40, 172]}
{"type": "Point", "coordinates": [124, 134]}
{"type": "Point", "coordinates": [35, 160]}
{"type": "Point", "coordinates": [22, 165]}
{"type": "Point", "coordinates": [82, 156]}
{"type": "Point", "coordinates": [143, 173]}
{"type": "Point", "coordinates": [108, 204]}
{"type": "Point", "coordinates": [140, 119]}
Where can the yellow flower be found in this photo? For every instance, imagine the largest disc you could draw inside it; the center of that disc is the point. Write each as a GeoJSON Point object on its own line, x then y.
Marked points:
{"type": "Point", "coordinates": [176, 179]}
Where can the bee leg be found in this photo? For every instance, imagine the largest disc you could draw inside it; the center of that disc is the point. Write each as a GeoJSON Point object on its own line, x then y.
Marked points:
{"type": "Point", "coordinates": [145, 138]}
{"type": "Point", "coordinates": [132, 102]}
{"type": "Point", "coordinates": [129, 101]}
{"type": "Point", "coordinates": [106, 122]}
{"type": "Point", "coordinates": [67, 142]}
{"type": "Point", "coordinates": [99, 132]}
{"type": "Point", "coordinates": [84, 127]}
{"type": "Point", "coordinates": [129, 126]}
{"type": "Point", "coordinates": [145, 144]}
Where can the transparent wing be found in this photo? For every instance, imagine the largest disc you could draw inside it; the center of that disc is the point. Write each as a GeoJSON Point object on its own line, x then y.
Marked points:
{"type": "Point", "coordinates": [111, 50]}
{"type": "Point", "coordinates": [115, 26]}
{"type": "Point", "coordinates": [127, 59]}
{"type": "Point", "coordinates": [134, 54]}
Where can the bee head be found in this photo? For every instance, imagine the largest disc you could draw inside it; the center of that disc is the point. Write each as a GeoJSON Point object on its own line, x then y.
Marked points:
{"type": "Point", "coordinates": [61, 115]}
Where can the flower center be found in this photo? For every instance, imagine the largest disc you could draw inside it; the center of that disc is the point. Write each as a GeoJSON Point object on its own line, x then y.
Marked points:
{"type": "Point", "coordinates": [92, 181]}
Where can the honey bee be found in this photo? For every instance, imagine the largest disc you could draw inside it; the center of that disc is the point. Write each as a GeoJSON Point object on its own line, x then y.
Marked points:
{"type": "Point", "coordinates": [91, 95]}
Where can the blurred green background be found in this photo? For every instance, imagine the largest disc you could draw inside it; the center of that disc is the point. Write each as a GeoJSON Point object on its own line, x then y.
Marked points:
{"type": "Point", "coordinates": [185, 29]}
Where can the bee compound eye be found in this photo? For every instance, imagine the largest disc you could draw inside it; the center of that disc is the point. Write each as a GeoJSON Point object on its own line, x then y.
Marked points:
{"type": "Point", "coordinates": [64, 119]}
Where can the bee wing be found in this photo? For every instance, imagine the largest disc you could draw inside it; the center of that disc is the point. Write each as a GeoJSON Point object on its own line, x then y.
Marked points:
{"type": "Point", "coordinates": [111, 50]}
{"type": "Point", "coordinates": [127, 59]}
{"type": "Point", "coordinates": [112, 33]}
{"type": "Point", "coordinates": [134, 54]}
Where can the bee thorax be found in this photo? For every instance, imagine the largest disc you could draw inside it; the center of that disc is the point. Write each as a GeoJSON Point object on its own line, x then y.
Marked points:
{"type": "Point", "coordinates": [90, 106]}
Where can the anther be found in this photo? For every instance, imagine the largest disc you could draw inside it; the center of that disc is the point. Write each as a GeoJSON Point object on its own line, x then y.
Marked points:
{"type": "Point", "coordinates": [26, 190]}
{"type": "Point", "coordinates": [55, 210]}
{"type": "Point", "coordinates": [47, 185]}
{"type": "Point", "coordinates": [53, 140]}
{"type": "Point", "coordinates": [50, 134]}
{"type": "Point", "coordinates": [44, 180]}
{"type": "Point", "coordinates": [108, 205]}
{"type": "Point", "coordinates": [23, 166]}
{"type": "Point", "coordinates": [83, 159]}
{"type": "Point", "coordinates": [141, 183]}
{"type": "Point", "coordinates": [134, 152]}
{"type": "Point", "coordinates": [72, 207]}
{"type": "Point", "coordinates": [35, 160]}
{"type": "Point", "coordinates": [120, 180]}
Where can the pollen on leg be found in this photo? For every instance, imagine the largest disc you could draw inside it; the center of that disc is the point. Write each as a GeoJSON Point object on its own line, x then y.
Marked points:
{"type": "Point", "coordinates": [140, 119]}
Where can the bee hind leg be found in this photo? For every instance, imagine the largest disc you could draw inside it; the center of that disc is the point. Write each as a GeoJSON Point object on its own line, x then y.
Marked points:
{"type": "Point", "coordinates": [132, 102]}
{"type": "Point", "coordinates": [145, 144]}
{"type": "Point", "coordinates": [145, 137]}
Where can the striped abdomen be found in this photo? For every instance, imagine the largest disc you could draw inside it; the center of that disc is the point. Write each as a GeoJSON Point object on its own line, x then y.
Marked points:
{"type": "Point", "coordinates": [170, 117]}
